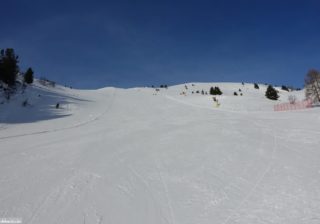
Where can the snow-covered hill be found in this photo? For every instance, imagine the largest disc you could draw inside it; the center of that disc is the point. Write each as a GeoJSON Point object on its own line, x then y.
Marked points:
{"type": "Point", "coordinates": [145, 156]}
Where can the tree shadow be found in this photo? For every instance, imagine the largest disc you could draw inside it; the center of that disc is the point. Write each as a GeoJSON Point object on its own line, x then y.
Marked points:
{"type": "Point", "coordinates": [38, 104]}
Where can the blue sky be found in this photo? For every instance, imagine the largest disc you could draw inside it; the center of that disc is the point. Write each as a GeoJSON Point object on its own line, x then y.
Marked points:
{"type": "Point", "coordinates": [92, 44]}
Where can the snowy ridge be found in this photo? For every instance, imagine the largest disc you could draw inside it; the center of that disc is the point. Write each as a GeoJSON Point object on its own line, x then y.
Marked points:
{"type": "Point", "coordinates": [145, 156]}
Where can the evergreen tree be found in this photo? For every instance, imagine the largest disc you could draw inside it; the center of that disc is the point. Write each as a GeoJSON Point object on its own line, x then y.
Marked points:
{"type": "Point", "coordinates": [256, 86]}
{"type": "Point", "coordinates": [211, 91]}
{"type": "Point", "coordinates": [283, 87]}
{"type": "Point", "coordinates": [215, 91]}
{"type": "Point", "coordinates": [28, 76]}
{"type": "Point", "coordinates": [8, 66]}
{"type": "Point", "coordinates": [271, 93]}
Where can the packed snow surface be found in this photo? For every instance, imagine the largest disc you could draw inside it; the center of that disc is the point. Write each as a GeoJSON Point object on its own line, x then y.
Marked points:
{"type": "Point", "coordinates": [143, 156]}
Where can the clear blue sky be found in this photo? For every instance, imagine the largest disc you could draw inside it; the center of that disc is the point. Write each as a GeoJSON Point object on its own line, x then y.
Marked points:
{"type": "Point", "coordinates": [126, 43]}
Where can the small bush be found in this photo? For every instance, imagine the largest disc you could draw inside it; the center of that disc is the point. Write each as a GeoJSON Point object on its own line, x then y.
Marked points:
{"type": "Point", "coordinates": [46, 82]}
{"type": "Point", "coordinates": [235, 94]}
{"type": "Point", "coordinates": [256, 86]}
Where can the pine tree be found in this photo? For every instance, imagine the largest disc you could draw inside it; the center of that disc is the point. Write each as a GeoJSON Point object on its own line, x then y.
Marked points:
{"type": "Point", "coordinates": [256, 86]}
{"type": "Point", "coordinates": [211, 91]}
{"type": "Point", "coordinates": [271, 93]}
{"type": "Point", "coordinates": [28, 76]}
{"type": "Point", "coordinates": [8, 66]}
{"type": "Point", "coordinates": [215, 91]}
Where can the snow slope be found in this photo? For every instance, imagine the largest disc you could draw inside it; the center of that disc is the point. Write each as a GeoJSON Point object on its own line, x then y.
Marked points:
{"type": "Point", "coordinates": [141, 156]}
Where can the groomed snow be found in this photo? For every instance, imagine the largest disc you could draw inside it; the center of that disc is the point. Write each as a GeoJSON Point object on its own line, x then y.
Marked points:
{"type": "Point", "coordinates": [140, 156]}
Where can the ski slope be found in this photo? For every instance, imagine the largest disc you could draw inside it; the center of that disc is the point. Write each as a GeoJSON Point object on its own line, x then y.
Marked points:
{"type": "Point", "coordinates": [139, 156]}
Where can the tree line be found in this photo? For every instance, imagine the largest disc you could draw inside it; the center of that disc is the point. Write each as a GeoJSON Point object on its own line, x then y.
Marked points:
{"type": "Point", "coordinates": [9, 71]}
{"type": "Point", "coordinates": [9, 68]}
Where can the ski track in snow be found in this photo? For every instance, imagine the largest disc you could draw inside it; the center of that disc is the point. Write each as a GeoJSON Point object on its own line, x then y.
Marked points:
{"type": "Point", "coordinates": [73, 187]}
{"type": "Point", "coordinates": [259, 181]}
{"type": "Point", "coordinates": [127, 170]}
{"type": "Point", "coordinates": [64, 128]}
{"type": "Point", "coordinates": [166, 193]}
